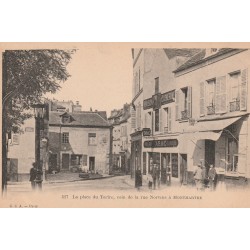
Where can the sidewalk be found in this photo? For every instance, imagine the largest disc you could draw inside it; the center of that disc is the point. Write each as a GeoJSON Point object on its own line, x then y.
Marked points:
{"type": "Point", "coordinates": [63, 177]}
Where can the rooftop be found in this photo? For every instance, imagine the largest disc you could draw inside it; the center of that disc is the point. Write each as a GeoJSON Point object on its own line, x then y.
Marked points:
{"type": "Point", "coordinates": [84, 118]}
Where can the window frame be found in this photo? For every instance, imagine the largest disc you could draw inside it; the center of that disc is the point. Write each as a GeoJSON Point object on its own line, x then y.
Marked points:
{"type": "Point", "coordinates": [65, 137]}
{"type": "Point", "coordinates": [92, 135]}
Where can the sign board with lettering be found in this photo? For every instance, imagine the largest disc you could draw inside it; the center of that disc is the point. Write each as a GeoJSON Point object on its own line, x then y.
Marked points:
{"type": "Point", "coordinates": [161, 143]}
{"type": "Point", "coordinates": [159, 99]}
{"type": "Point", "coordinates": [168, 97]}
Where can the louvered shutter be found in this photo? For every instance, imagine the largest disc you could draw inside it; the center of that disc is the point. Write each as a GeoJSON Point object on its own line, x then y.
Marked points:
{"type": "Point", "coordinates": [221, 95]}
{"type": "Point", "coordinates": [169, 119]}
{"type": "Point", "coordinates": [133, 119]}
{"type": "Point", "coordinates": [161, 120]}
{"type": "Point", "coordinates": [189, 102]}
{"type": "Point", "coordinates": [177, 105]}
{"type": "Point", "coordinates": [217, 95]}
{"type": "Point", "coordinates": [243, 89]}
{"type": "Point", "coordinates": [223, 89]}
{"type": "Point", "coordinates": [202, 99]}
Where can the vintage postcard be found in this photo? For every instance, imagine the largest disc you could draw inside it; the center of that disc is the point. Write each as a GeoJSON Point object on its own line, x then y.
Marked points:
{"type": "Point", "coordinates": [125, 125]}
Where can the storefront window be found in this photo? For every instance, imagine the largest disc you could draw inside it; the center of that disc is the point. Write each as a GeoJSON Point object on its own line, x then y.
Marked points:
{"type": "Point", "coordinates": [174, 164]}
{"type": "Point", "coordinates": [232, 157]}
{"type": "Point", "coordinates": [76, 160]}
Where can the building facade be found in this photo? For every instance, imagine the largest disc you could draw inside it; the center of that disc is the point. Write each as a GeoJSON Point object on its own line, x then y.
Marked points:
{"type": "Point", "coordinates": [212, 111]}
{"type": "Point", "coordinates": [121, 146]}
{"type": "Point", "coordinates": [195, 110]}
{"type": "Point", "coordinates": [79, 140]}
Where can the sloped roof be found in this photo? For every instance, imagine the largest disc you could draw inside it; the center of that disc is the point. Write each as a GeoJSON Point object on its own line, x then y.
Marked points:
{"type": "Point", "coordinates": [201, 57]}
{"type": "Point", "coordinates": [88, 119]}
{"type": "Point", "coordinates": [171, 53]}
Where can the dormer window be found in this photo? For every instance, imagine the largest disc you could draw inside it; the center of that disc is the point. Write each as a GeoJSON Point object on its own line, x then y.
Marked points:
{"type": "Point", "coordinates": [66, 118]}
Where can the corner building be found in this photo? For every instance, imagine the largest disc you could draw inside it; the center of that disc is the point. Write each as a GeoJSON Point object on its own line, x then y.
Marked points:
{"type": "Point", "coordinates": [194, 109]}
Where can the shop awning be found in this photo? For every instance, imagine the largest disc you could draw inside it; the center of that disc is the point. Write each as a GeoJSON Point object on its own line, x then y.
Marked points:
{"type": "Point", "coordinates": [196, 136]}
{"type": "Point", "coordinates": [214, 125]}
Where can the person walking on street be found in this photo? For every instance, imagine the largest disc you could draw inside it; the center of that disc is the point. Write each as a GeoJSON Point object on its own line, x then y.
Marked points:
{"type": "Point", "coordinates": [198, 177]}
{"type": "Point", "coordinates": [138, 179]}
{"type": "Point", "coordinates": [150, 181]}
{"type": "Point", "coordinates": [154, 175]}
{"type": "Point", "coordinates": [158, 176]}
{"type": "Point", "coordinates": [33, 173]}
{"type": "Point", "coordinates": [212, 176]}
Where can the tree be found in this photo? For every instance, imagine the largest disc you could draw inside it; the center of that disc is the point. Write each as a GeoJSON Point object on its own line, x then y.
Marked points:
{"type": "Point", "coordinates": [27, 76]}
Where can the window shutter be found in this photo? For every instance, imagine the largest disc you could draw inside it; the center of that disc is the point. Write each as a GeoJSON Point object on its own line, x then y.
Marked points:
{"type": "Point", "coordinates": [169, 120]}
{"type": "Point", "coordinates": [221, 95]}
{"type": "Point", "coordinates": [133, 119]}
{"type": "Point", "coordinates": [217, 95]}
{"type": "Point", "coordinates": [161, 120]}
{"type": "Point", "coordinates": [189, 102]}
{"type": "Point", "coordinates": [177, 111]}
{"type": "Point", "coordinates": [202, 98]}
{"type": "Point", "coordinates": [223, 88]}
{"type": "Point", "coordinates": [243, 89]}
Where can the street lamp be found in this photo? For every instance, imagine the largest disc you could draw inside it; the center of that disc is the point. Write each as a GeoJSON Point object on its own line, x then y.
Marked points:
{"type": "Point", "coordinates": [39, 110]}
{"type": "Point", "coordinates": [44, 146]}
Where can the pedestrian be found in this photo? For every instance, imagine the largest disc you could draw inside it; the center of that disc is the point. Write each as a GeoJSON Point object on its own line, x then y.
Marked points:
{"type": "Point", "coordinates": [198, 177]}
{"type": "Point", "coordinates": [204, 178]}
{"type": "Point", "coordinates": [138, 179]}
{"type": "Point", "coordinates": [33, 173]}
{"type": "Point", "coordinates": [158, 176]}
{"type": "Point", "coordinates": [154, 175]}
{"type": "Point", "coordinates": [212, 176]}
{"type": "Point", "coordinates": [150, 181]}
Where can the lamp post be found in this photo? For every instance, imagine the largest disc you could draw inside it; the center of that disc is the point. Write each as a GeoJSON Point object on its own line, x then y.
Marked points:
{"type": "Point", "coordinates": [44, 146]}
{"type": "Point", "coordinates": [39, 110]}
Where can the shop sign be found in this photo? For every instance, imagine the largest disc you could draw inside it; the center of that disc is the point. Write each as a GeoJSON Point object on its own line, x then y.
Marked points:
{"type": "Point", "coordinates": [146, 132]}
{"type": "Point", "coordinates": [148, 103]}
{"type": "Point", "coordinates": [168, 97]}
{"type": "Point", "coordinates": [156, 101]}
{"type": "Point", "coordinates": [159, 99]}
{"type": "Point", "coordinates": [161, 143]}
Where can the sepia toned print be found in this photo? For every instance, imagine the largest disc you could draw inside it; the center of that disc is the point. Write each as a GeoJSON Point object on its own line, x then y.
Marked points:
{"type": "Point", "coordinates": [125, 125]}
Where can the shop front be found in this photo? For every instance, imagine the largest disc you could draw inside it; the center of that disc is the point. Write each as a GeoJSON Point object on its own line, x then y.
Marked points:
{"type": "Point", "coordinates": [163, 153]}
{"type": "Point", "coordinates": [136, 152]}
{"type": "Point", "coordinates": [221, 143]}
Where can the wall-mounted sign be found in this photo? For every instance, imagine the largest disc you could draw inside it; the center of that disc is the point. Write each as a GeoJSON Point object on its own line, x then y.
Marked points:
{"type": "Point", "coordinates": [159, 99]}
{"type": "Point", "coordinates": [146, 132]}
{"type": "Point", "coordinates": [168, 97]}
{"type": "Point", "coordinates": [29, 129]}
{"type": "Point", "coordinates": [156, 101]}
{"type": "Point", "coordinates": [148, 103]}
{"type": "Point", "coordinates": [161, 143]}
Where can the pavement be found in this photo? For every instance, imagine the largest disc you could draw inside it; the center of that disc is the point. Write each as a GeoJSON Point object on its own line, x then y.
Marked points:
{"type": "Point", "coordinates": [63, 177]}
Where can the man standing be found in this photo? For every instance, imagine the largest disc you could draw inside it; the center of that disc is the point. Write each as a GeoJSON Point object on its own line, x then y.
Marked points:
{"type": "Point", "coordinates": [198, 177]}
{"type": "Point", "coordinates": [212, 177]}
{"type": "Point", "coordinates": [33, 173]}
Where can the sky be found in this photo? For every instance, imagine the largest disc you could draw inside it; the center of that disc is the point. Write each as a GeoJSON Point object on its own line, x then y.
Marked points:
{"type": "Point", "coordinates": [101, 77]}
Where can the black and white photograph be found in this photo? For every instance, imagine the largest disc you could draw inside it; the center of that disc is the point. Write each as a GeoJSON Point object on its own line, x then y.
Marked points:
{"type": "Point", "coordinates": [125, 125]}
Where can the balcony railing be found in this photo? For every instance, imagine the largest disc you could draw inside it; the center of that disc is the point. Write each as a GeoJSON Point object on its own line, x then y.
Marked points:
{"type": "Point", "coordinates": [184, 115]}
{"type": "Point", "coordinates": [234, 106]}
{"type": "Point", "coordinates": [210, 110]}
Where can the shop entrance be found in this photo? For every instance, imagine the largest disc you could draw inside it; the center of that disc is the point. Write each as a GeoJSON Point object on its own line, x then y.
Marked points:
{"type": "Point", "coordinates": [209, 153]}
{"type": "Point", "coordinates": [65, 161]}
{"type": "Point", "coordinates": [92, 163]}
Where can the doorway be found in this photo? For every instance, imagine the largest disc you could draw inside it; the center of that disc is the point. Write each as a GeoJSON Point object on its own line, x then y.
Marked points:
{"type": "Point", "coordinates": [209, 153]}
{"type": "Point", "coordinates": [91, 163]}
{"type": "Point", "coordinates": [65, 161]}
